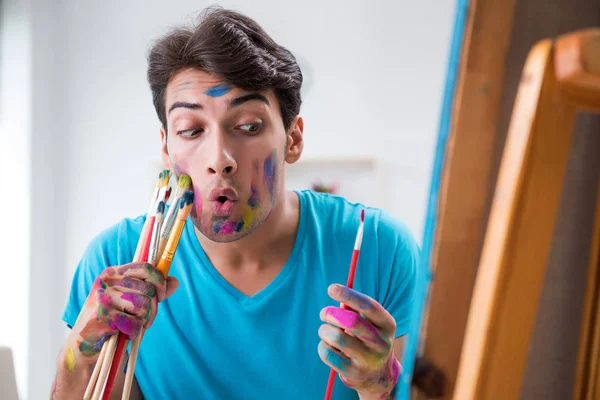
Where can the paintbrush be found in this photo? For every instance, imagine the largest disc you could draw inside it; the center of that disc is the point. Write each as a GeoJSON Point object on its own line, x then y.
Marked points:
{"type": "Point", "coordinates": [100, 371]}
{"type": "Point", "coordinates": [160, 210]}
{"type": "Point", "coordinates": [161, 190]}
{"type": "Point", "coordinates": [151, 237]}
{"type": "Point", "coordinates": [164, 264]}
{"type": "Point", "coordinates": [350, 284]}
{"type": "Point", "coordinates": [115, 345]}
{"type": "Point", "coordinates": [183, 185]}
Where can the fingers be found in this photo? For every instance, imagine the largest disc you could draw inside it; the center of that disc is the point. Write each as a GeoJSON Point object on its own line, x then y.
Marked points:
{"type": "Point", "coordinates": [128, 284]}
{"type": "Point", "coordinates": [128, 324]}
{"type": "Point", "coordinates": [354, 324]}
{"type": "Point", "coordinates": [135, 304]}
{"type": "Point", "coordinates": [172, 285]}
{"type": "Point", "coordinates": [350, 346]}
{"type": "Point", "coordinates": [333, 358]}
{"type": "Point", "coordinates": [371, 309]}
{"type": "Point", "coordinates": [109, 314]}
{"type": "Point", "coordinates": [140, 271]}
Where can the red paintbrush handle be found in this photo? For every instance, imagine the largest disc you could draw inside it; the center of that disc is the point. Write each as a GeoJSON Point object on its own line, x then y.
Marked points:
{"type": "Point", "coordinates": [123, 339]}
{"type": "Point", "coordinates": [330, 384]}
{"type": "Point", "coordinates": [352, 271]}
{"type": "Point", "coordinates": [350, 284]}
{"type": "Point", "coordinates": [114, 367]}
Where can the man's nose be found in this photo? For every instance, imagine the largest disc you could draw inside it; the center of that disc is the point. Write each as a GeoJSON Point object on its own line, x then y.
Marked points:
{"type": "Point", "coordinates": [222, 161]}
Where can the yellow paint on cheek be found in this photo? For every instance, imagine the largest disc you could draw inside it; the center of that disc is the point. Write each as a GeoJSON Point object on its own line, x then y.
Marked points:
{"type": "Point", "coordinates": [70, 359]}
{"type": "Point", "coordinates": [247, 218]}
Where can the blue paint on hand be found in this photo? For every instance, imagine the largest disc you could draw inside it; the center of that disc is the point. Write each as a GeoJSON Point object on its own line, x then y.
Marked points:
{"type": "Point", "coordinates": [338, 362]}
{"type": "Point", "coordinates": [218, 90]}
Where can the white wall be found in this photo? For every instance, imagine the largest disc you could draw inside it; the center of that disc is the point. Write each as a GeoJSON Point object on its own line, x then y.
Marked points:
{"type": "Point", "coordinates": [375, 76]}
{"type": "Point", "coordinates": [15, 194]}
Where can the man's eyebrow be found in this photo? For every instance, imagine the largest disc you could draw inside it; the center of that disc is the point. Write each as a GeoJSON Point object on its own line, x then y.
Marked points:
{"type": "Point", "coordinates": [243, 99]}
{"type": "Point", "coordinates": [182, 104]}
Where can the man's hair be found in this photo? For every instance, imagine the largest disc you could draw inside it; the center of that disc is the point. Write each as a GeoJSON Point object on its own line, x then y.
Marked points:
{"type": "Point", "coordinates": [235, 49]}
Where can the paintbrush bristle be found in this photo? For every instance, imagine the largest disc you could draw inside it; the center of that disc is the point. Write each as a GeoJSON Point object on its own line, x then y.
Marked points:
{"type": "Point", "coordinates": [165, 178]}
{"type": "Point", "coordinates": [362, 216]}
{"type": "Point", "coordinates": [185, 205]}
{"type": "Point", "coordinates": [184, 182]}
{"type": "Point", "coordinates": [161, 207]}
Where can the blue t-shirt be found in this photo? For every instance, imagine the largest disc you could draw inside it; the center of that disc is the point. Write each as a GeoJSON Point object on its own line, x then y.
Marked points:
{"type": "Point", "coordinates": [210, 341]}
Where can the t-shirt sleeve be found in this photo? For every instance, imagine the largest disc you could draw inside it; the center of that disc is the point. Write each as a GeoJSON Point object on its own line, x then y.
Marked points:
{"type": "Point", "coordinates": [399, 259]}
{"type": "Point", "coordinates": [103, 251]}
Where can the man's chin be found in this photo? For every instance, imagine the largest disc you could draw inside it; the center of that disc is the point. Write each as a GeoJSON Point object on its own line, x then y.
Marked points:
{"type": "Point", "coordinates": [222, 232]}
{"type": "Point", "coordinates": [224, 237]}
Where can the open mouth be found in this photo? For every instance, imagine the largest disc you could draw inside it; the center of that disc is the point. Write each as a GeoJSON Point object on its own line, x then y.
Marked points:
{"type": "Point", "coordinates": [222, 199]}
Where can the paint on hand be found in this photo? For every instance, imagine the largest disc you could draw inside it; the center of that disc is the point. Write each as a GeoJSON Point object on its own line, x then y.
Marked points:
{"type": "Point", "coordinates": [363, 301]}
{"type": "Point", "coordinates": [99, 317]}
{"type": "Point", "coordinates": [336, 360]}
{"type": "Point", "coordinates": [218, 90]}
{"type": "Point", "coordinates": [136, 300]}
{"type": "Point", "coordinates": [69, 359]}
{"type": "Point", "coordinates": [383, 384]}
{"type": "Point", "coordinates": [355, 324]}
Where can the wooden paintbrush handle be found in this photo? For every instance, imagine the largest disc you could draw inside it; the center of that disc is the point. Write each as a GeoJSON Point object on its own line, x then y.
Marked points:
{"type": "Point", "coordinates": [111, 343]}
{"type": "Point", "coordinates": [90, 387]}
{"type": "Point", "coordinates": [135, 348]}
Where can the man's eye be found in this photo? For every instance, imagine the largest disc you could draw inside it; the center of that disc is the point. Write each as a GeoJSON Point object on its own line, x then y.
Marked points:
{"type": "Point", "coordinates": [188, 133]}
{"type": "Point", "coordinates": [252, 128]}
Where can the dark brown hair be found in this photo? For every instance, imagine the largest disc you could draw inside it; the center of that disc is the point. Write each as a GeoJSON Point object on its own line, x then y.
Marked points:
{"type": "Point", "coordinates": [232, 47]}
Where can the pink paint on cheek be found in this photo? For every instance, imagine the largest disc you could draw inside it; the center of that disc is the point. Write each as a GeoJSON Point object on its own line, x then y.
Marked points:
{"type": "Point", "coordinates": [395, 370]}
{"type": "Point", "coordinates": [228, 228]}
{"type": "Point", "coordinates": [197, 208]}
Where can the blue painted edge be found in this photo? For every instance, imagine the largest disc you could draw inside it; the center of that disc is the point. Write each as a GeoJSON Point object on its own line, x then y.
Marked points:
{"type": "Point", "coordinates": [424, 272]}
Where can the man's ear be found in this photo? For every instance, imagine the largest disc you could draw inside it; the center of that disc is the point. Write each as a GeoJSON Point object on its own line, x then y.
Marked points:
{"type": "Point", "coordinates": [164, 151]}
{"type": "Point", "coordinates": [295, 141]}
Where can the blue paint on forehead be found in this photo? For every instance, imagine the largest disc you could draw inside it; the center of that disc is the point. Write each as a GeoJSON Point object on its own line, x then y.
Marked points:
{"type": "Point", "coordinates": [218, 90]}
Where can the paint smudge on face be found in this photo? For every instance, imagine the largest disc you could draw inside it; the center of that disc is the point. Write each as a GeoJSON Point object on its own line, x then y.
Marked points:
{"type": "Point", "coordinates": [70, 359]}
{"type": "Point", "coordinates": [254, 200]}
{"type": "Point", "coordinates": [270, 168]}
{"type": "Point", "coordinates": [197, 207]}
{"type": "Point", "coordinates": [218, 90]}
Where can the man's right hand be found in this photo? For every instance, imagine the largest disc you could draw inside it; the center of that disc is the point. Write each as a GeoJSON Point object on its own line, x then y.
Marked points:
{"type": "Point", "coordinates": [123, 299]}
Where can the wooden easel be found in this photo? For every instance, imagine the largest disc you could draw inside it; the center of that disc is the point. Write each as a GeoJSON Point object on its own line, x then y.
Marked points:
{"type": "Point", "coordinates": [560, 78]}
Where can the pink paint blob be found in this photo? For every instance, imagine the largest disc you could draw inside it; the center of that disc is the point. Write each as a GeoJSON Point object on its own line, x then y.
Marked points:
{"type": "Point", "coordinates": [395, 370]}
{"type": "Point", "coordinates": [135, 299]}
{"type": "Point", "coordinates": [347, 319]}
{"type": "Point", "coordinates": [228, 228]}
{"type": "Point", "coordinates": [350, 320]}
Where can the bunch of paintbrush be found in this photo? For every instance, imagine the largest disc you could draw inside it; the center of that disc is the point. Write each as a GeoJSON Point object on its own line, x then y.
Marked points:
{"type": "Point", "coordinates": [157, 245]}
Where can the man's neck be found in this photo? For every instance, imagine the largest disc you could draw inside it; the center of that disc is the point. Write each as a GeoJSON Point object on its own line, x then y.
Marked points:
{"type": "Point", "coordinates": [258, 248]}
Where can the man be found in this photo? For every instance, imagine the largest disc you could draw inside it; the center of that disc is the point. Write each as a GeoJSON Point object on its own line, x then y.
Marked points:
{"type": "Point", "coordinates": [251, 309]}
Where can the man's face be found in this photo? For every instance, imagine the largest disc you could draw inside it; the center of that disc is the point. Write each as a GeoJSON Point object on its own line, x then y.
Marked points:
{"type": "Point", "coordinates": [232, 144]}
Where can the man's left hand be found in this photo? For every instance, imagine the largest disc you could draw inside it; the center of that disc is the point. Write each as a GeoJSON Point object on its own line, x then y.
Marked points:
{"type": "Point", "coordinates": [357, 343]}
